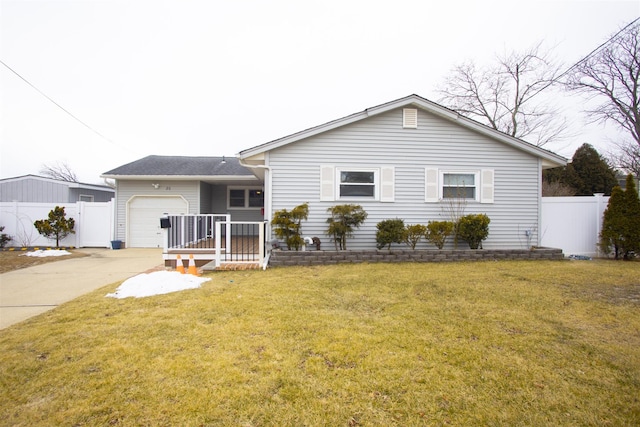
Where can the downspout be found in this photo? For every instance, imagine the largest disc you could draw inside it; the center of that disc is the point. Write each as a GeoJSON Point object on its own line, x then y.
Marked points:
{"type": "Point", "coordinates": [267, 208]}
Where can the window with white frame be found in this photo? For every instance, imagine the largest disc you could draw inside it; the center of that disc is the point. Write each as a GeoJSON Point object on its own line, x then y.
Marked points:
{"type": "Point", "coordinates": [459, 185]}
{"type": "Point", "coordinates": [473, 185]}
{"type": "Point", "coordinates": [357, 183]}
{"type": "Point", "coordinates": [85, 198]}
{"type": "Point", "coordinates": [245, 198]}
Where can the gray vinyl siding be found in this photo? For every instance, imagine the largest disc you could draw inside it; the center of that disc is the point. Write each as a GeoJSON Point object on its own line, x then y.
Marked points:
{"type": "Point", "coordinates": [35, 190]}
{"type": "Point", "coordinates": [190, 190]}
{"type": "Point", "coordinates": [205, 197]}
{"type": "Point", "coordinates": [98, 196]}
{"type": "Point", "coordinates": [381, 141]}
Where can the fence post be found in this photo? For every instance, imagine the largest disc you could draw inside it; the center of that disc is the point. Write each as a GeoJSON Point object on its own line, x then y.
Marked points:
{"type": "Point", "coordinates": [218, 242]}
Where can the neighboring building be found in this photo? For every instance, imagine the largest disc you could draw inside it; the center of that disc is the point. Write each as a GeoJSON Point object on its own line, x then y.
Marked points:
{"type": "Point", "coordinates": [151, 187]}
{"type": "Point", "coordinates": [409, 158]}
{"type": "Point", "coordinates": [38, 189]}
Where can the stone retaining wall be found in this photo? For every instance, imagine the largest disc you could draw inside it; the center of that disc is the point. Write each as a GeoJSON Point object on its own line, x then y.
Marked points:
{"type": "Point", "coordinates": [280, 258]}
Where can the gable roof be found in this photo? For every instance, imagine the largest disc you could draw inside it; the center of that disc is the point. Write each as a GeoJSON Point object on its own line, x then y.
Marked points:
{"type": "Point", "coordinates": [181, 167]}
{"type": "Point", "coordinates": [70, 184]}
{"type": "Point", "coordinates": [549, 159]}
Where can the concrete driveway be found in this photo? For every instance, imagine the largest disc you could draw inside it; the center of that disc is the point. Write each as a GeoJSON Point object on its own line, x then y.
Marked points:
{"type": "Point", "coordinates": [30, 291]}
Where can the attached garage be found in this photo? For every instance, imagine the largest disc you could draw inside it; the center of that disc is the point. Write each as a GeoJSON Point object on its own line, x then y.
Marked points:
{"type": "Point", "coordinates": [144, 213]}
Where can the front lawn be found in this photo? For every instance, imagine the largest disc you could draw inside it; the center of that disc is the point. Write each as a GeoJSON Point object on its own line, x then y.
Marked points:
{"type": "Point", "coordinates": [484, 343]}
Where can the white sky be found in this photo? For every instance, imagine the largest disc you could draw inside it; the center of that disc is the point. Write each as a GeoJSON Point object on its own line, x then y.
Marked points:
{"type": "Point", "coordinates": [212, 78]}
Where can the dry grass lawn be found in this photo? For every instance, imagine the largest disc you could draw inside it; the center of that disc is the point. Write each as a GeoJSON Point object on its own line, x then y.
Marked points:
{"type": "Point", "coordinates": [485, 343]}
{"type": "Point", "coordinates": [15, 259]}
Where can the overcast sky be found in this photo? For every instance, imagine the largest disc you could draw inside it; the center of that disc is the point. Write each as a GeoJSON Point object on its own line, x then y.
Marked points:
{"type": "Point", "coordinates": [212, 78]}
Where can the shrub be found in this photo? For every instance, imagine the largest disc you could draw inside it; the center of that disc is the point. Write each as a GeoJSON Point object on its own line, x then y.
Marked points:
{"type": "Point", "coordinates": [389, 231]}
{"type": "Point", "coordinates": [56, 226]}
{"type": "Point", "coordinates": [438, 231]}
{"type": "Point", "coordinates": [288, 225]}
{"type": "Point", "coordinates": [413, 234]}
{"type": "Point", "coordinates": [342, 222]}
{"type": "Point", "coordinates": [4, 238]}
{"type": "Point", "coordinates": [474, 229]}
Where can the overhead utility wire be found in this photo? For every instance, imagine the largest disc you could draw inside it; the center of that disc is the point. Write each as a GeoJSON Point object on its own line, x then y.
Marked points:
{"type": "Point", "coordinates": [598, 48]}
{"type": "Point", "coordinates": [56, 104]}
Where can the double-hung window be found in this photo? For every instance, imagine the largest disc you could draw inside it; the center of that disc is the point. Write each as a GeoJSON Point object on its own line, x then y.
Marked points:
{"type": "Point", "coordinates": [459, 185]}
{"type": "Point", "coordinates": [357, 184]}
{"type": "Point", "coordinates": [474, 185]}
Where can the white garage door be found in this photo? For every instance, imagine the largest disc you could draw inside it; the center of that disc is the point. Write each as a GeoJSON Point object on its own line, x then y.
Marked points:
{"type": "Point", "coordinates": [144, 219]}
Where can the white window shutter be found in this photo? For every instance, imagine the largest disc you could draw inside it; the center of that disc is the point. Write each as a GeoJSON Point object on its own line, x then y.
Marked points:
{"type": "Point", "coordinates": [327, 183]}
{"type": "Point", "coordinates": [387, 184]}
{"type": "Point", "coordinates": [410, 118]}
{"type": "Point", "coordinates": [486, 189]}
{"type": "Point", "coordinates": [431, 185]}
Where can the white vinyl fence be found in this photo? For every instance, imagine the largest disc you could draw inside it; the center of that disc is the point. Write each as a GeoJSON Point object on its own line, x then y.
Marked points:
{"type": "Point", "coordinates": [94, 223]}
{"type": "Point", "coordinates": [572, 223]}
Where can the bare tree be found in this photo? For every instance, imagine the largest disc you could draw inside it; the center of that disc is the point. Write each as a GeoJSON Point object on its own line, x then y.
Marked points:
{"type": "Point", "coordinates": [61, 171]}
{"type": "Point", "coordinates": [611, 75]}
{"type": "Point", "coordinates": [626, 157]}
{"type": "Point", "coordinates": [509, 95]}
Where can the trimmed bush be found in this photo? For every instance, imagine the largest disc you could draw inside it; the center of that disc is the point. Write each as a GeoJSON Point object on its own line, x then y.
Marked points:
{"type": "Point", "coordinates": [343, 221]}
{"type": "Point", "coordinates": [389, 231]}
{"type": "Point", "coordinates": [438, 231]}
{"type": "Point", "coordinates": [288, 225]}
{"type": "Point", "coordinates": [413, 234]}
{"type": "Point", "coordinates": [474, 229]}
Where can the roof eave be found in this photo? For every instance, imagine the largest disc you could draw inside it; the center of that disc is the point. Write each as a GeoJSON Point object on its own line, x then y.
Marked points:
{"type": "Point", "coordinates": [182, 177]}
{"type": "Point", "coordinates": [552, 159]}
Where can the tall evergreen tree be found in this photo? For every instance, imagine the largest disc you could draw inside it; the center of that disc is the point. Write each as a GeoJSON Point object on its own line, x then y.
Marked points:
{"type": "Point", "coordinates": [621, 222]}
{"type": "Point", "coordinates": [588, 173]}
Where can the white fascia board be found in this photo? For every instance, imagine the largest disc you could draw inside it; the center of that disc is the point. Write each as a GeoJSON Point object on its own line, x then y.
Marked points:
{"type": "Point", "coordinates": [182, 177]}
{"type": "Point", "coordinates": [550, 159]}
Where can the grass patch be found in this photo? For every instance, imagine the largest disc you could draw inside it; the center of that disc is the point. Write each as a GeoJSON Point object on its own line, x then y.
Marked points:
{"type": "Point", "coordinates": [16, 259]}
{"type": "Point", "coordinates": [484, 343]}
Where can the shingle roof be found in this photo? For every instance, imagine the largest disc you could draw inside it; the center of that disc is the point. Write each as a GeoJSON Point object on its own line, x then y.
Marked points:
{"type": "Point", "coordinates": [182, 166]}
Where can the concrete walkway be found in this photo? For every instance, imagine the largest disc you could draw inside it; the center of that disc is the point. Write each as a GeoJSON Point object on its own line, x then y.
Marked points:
{"type": "Point", "coordinates": [30, 291]}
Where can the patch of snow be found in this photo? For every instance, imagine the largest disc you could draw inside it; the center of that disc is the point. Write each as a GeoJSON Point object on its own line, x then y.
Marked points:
{"type": "Point", "coordinates": [157, 283]}
{"type": "Point", "coordinates": [41, 253]}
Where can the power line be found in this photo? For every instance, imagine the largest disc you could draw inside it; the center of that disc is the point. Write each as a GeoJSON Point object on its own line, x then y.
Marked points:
{"type": "Point", "coordinates": [598, 48]}
{"type": "Point", "coordinates": [56, 104]}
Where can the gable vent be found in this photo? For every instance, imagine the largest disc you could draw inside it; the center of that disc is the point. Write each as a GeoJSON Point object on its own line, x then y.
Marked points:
{"type": "Point", "coordinates": [410, 118]}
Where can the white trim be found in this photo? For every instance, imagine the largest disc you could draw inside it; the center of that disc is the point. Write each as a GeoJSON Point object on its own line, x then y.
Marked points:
{"type": "Point", "coordinates": [549, 159]}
